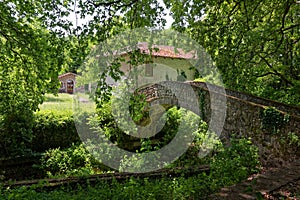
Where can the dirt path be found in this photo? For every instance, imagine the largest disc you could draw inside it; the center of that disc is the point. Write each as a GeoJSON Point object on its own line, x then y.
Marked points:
{"type": "Point", "coordinates": [262, 185]}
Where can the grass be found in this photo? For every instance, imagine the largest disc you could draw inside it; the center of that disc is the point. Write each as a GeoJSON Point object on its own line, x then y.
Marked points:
{"type": "Point", "coordinates": [61, 102]}
{"type": "Point", "coordinates": [66, 102]}
{"type": "Point", "coordinates": [195, 187]}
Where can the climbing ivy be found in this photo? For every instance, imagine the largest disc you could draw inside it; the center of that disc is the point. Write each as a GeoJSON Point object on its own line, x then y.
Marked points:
{"type": "Point", "coordinates": [137, 107]}
{"type": "Point", "coordinates": [201, 97]}
{"type": "Point", "coordinates": [273, 120]}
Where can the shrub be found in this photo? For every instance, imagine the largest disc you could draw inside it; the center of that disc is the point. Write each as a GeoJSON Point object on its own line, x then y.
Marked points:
{"type": "Point", "coordinates": [75, 160]}
{"type": "Point", "coordinates": [174, 118]}
{"type": "Point", "coordinates": [231, 165]}
{"type": "Point", "coordinates": [235, 163]}
{"type": "Point", "coordinates": [196, 187]}
{"type": "Point", "coordinates": [49, 129]}
{"type": "Point", "coordinates": [15, 133]}
{"type": "Point", "coordinates": [53, 129]}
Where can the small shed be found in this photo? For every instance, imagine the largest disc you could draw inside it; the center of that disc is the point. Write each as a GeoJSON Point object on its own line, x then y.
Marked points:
{"type": "Point", "coordinates": [67, 82]}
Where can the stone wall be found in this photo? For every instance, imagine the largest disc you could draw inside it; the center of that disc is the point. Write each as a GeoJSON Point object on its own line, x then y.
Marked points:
{"type": "Point", "coordinates": [243, 116]}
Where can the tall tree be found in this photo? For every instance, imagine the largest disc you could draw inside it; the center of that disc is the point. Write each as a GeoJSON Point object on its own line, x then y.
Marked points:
{"type": "Point", "coordinates": [255, 44]}
{"type": "Point", "coordinates": [37, 38]}
{"type": "Point", "coordinates": [30, 59]}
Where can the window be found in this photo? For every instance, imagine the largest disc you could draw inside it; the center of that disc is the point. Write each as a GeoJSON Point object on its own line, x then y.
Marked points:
{"type": "Point", "coordinates": [149, 69]}
{"type": "Point", "coordinates": [61, 84]}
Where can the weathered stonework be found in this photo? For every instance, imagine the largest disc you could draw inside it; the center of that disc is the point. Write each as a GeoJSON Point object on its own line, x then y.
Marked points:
{"type": "Point", "coordinates": [243, 115]}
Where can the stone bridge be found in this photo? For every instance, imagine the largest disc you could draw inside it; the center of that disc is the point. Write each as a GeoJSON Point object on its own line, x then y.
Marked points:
{"type": "Point", "coordinates": [230, 112]}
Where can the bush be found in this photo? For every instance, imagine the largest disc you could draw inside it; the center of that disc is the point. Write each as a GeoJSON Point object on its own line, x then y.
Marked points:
{"type": "Point", "coordinates": [235, 163]}
{"type": "Point", "coordinates": [53, 129]}
{"type": "Point", "coordinates": [44, 130]}
{"type": "Point", "coordinates": [15, 133]}
{"type": "Point", "coordinates": [72, 161]}
{"type": "Point", "coordinates": [229, 166]}
{"type": "Point", "coordinates": [49, 129]}
{"type": "Point", "coordinates": [174, 118]}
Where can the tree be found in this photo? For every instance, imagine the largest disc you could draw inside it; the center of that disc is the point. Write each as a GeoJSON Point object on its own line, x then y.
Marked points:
{"type": "Point", "coordinates": [255, 44]}
{"type": "Point", "coordinates": [30, 59]}
{"type": "Point", "coordinates": [37, 39]}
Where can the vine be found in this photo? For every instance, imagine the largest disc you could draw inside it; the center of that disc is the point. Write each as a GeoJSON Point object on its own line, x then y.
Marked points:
{"type": "Point", "coordinates": [273, 120]}
{"type": "Point", "coordinates": [202, 104]}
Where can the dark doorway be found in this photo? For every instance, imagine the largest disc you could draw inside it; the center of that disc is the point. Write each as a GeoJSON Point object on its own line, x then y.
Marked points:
{"type": "Point", "coordinates": [70, 86]}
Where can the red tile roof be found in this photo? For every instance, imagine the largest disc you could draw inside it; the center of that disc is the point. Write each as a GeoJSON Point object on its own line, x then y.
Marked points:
{"type": "Point", "coordinates": [159, 51]}
{"type": "Point", "coordinates": [166, 51]}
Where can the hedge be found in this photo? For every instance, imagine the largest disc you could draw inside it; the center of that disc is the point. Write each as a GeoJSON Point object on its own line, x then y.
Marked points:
{"type": "Point", "coordinates": [53, 129]}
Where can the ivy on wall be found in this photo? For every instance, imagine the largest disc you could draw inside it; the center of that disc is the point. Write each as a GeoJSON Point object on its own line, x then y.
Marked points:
{"type": "Point", "coordinates": [273, 120]}
{"type": "Point", "coordinates": [201, 97]}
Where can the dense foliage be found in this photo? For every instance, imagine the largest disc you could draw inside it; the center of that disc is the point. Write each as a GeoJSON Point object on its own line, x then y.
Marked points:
{"type": "Point", "coordinates": [75, 160]}
{"type": "Point", "coordinates": [53, 129]}
{"type": "Point", "coordinates": [253, 43]}
{"type": "Point", "coordinates": [173, 118]}
{"type": "Point", "coordinates": [30, 60]}
{"type": "Point", "coordinates": [49, 129]}
{"type": "Point", "coordinates": [65, 162]}
{"type": "Point", "coordinates": [229, 166]}
{"type": "Point", "coordinates": [234, 163]}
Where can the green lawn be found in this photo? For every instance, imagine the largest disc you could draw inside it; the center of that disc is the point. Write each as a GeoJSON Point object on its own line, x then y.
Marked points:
{"type": "Point", "coordinates": [66, 102]}
{"type": "Point", "coordinates": [60, 102]}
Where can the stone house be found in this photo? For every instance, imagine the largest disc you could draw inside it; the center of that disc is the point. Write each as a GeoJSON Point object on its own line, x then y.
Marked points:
{"type": "Point", "coordinates": [166, 63]}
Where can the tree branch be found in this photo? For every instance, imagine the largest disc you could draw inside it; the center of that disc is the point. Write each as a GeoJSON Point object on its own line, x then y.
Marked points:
{"type": "Point", "coordinates": [247, 17]}
{"type": "Point", "coordinates": [233, 9]}
{"type": "Point", "coordinates": [105, 4]}
{"type": "Point", "coordinates": [286, 11]}
{"type": "Point", "coordinates": [7, 37]}
{"type": "Point", "coordinates": [265, 74]}
{"type": "Point", "coordinates": [252, 13]}
{"type": "Point", "coordinates": [296, 41]}
{"type": "Point", "coordinates": [11, 49]}
{"type": "Point", "coordinates": [291, 27]}
{"type": "Point", "coordinates": [109, 4]}
{"type": "Point", "coordinates": [275, 71]}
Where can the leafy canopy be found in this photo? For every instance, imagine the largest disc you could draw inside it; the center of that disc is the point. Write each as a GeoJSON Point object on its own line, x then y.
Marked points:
{"type": "Point", "coordinates": [255, 44]}
{"type": "Point", "coordinates": [38, 39]}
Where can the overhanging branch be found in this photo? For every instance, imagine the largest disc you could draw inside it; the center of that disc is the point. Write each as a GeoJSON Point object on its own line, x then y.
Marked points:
{"type": "Point", "coordinates": [275, 71]}
{"type": "Point", "coordinates": [265, 74]}
{"type": "Point", "coordinates": [291, 27]}
{"type": "Point", "coordinates": [111, 3]}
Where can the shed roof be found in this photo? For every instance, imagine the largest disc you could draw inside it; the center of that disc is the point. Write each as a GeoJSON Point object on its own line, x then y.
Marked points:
{"type": "Point", "coordinates": [67, 74]}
